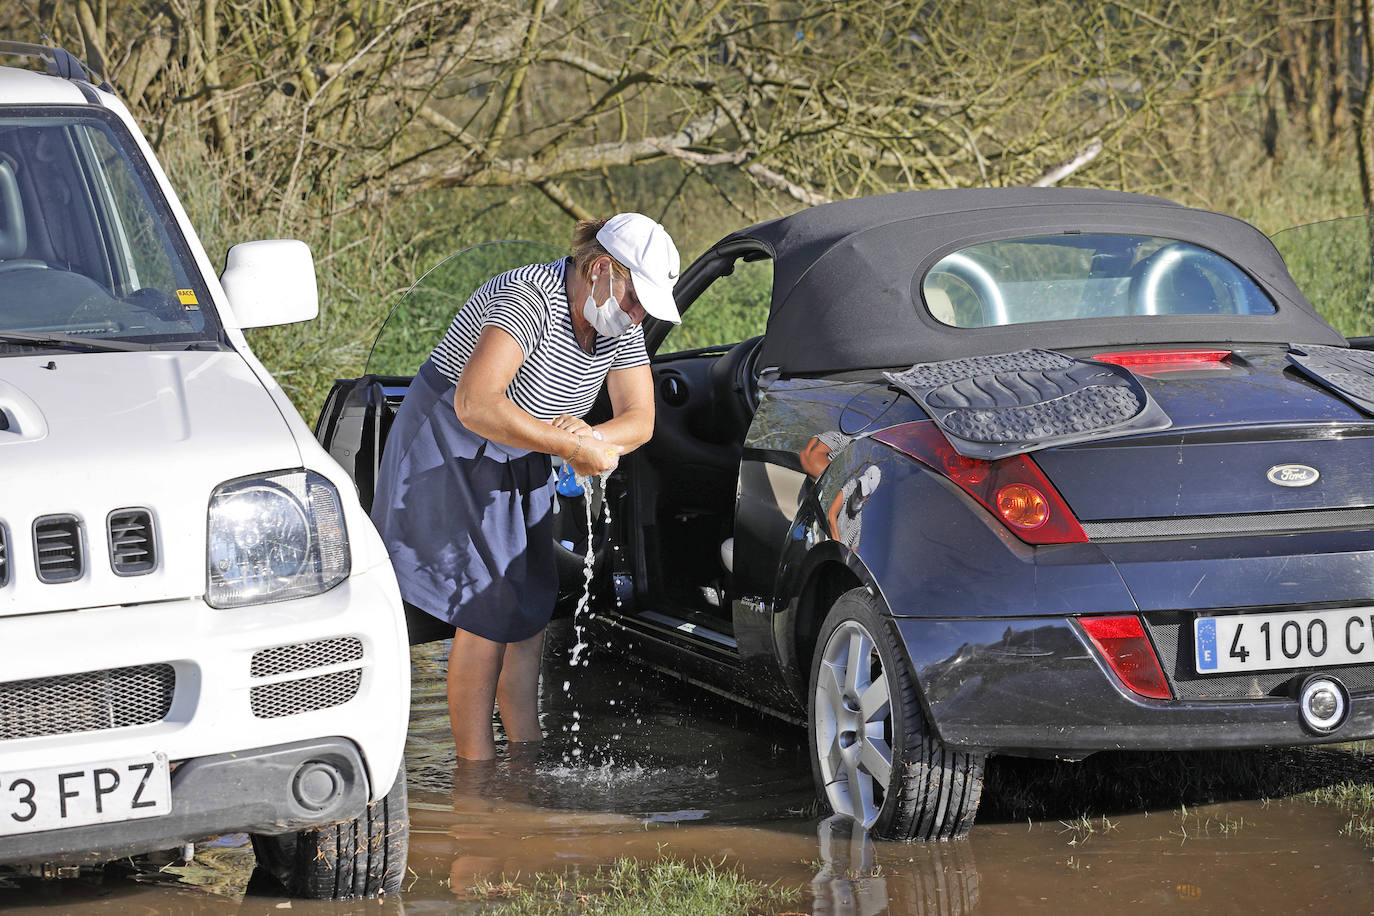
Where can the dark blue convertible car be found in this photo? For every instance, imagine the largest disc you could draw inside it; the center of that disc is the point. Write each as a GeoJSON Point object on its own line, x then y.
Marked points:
{"type": "Point", "coordinates": [1026, 472]}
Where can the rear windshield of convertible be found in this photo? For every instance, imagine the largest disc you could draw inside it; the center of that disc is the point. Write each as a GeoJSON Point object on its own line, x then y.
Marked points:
{"type": "Point", "coordinates": [1063, 277]}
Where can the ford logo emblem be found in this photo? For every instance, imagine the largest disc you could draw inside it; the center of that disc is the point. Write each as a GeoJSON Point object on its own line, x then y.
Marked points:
{"type": "Point", "coordinates": [1293, 475]}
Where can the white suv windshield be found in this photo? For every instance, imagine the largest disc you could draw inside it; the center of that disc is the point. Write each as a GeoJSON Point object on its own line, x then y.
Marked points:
{"type": "Point", "coordinates": [89, 253]}
{"type": "Point", "coordinates": [1062, 277]}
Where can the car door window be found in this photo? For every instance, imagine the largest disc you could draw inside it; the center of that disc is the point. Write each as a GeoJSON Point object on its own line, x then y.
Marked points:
{"type": "Point", "coordinates": [731, 309]}
{"type": "Point", "coordinates": [140, 252]}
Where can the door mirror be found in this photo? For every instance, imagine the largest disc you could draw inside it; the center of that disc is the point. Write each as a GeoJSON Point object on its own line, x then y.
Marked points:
{"type": "Point", "coordinates": [271, 282]}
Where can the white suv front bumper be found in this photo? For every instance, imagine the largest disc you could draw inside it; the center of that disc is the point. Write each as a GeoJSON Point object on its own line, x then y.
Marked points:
{"type": "Point", "coordinates": [237, 699]}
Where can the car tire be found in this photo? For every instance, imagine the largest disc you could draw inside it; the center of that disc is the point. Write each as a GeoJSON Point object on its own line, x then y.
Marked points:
{"type": "Point", "coordinates": [873, 755]}
{"type": "Point", "coordinates": [364, 857]}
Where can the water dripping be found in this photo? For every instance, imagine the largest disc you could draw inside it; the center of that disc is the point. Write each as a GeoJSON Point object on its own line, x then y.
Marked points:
{"type": "Point", "coordinates": [582, 612]}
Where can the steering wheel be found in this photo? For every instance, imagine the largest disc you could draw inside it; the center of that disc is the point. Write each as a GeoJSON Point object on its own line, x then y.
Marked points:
{"type": "Point", "coordinates": [1153, 281]}
{"type": "Point", "coordinates": [734, 390]}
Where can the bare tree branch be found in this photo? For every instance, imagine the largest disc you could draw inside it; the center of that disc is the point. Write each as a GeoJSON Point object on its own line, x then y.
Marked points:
{"type": "Point", "coordinates": [1066, 168]}
{"type": "Point", "coordinates": [356, 104]}
{"type": "Point", "coordinates": [743, 157]}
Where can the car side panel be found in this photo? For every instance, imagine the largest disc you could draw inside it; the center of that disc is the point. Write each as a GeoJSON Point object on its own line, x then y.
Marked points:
{"type": "Point", "coordinates": [933, 551]}
{"type": "Point", "coordinates": [986, 619]}
{"type": "Point", "coordinates": [927, 550]}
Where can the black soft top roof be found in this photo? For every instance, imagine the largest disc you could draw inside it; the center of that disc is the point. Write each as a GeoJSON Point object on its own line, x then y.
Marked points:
{"type": "Point", "coordinates": [847, 276]}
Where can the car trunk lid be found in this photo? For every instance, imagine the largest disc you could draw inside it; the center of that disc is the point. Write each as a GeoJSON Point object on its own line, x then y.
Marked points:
{"type": "Point", "coordinates": [1251, 436]}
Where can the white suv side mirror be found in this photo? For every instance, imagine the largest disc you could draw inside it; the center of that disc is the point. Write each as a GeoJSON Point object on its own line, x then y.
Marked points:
{"type": "Point", "coordinates": [271, 282]}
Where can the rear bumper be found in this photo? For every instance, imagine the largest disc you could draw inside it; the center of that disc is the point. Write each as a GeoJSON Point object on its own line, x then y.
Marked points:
{"type": "Point", "coordinates": [1034, 686]}
{"type": "Point", "coordinates": [251, 791]}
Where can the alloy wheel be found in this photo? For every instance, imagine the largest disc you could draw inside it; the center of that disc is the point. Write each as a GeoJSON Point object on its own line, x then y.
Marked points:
{"type": "Point", "coordinates": [853, 728]}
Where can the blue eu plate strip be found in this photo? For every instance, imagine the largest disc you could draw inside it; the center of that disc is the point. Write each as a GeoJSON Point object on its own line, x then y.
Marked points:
{"type": "Point", "coordinates": [1207, 645]}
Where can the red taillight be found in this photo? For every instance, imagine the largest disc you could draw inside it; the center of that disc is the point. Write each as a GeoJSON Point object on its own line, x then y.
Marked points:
{"type": "Point", "coordinates": [1013, 489]}
{"type": "Point", "coordinates": [1128, 652]}
{"type": "Point", "coordinates": [1149, 362]}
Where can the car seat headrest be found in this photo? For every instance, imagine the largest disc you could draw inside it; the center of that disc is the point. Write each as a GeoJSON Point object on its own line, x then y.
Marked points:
{"type": "Point", "coordinates": [940, 305]}
{"type": "Point", "coordinates": [14, 239]}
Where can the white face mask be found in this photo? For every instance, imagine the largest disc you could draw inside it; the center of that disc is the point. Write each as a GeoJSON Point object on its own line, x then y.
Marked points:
{"type": "Point", "coordinates": [608, 318]}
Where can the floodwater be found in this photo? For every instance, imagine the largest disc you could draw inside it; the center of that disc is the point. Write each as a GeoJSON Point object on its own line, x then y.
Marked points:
{"type": "Point", "coordinates": [638, 766]}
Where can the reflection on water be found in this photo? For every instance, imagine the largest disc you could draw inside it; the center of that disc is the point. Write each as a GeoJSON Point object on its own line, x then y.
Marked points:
{"type": "Point", "coordinates": [853, 879]}
{"type": "Point", "coordinates": [667, 771]}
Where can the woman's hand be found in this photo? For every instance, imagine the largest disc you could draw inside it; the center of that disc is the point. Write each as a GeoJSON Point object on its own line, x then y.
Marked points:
{"type": "Point", "coordinates": [594, 455]}
{"type": "Point", "coordinates": [570, 423]}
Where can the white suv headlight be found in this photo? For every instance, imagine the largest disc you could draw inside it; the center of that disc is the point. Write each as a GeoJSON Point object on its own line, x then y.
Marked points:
{"type": "Point", "coordinates": [275, 537]}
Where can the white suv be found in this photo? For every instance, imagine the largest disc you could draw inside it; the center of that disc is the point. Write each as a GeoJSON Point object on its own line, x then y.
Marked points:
{"type": "Point", "coordinates": [199, 629]}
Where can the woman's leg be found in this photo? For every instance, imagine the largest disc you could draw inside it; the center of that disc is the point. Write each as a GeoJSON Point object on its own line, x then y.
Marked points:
{"type": "Point", "coordinates": [474, 666]}
{"type": "Point", "coordinates": [517, 691]}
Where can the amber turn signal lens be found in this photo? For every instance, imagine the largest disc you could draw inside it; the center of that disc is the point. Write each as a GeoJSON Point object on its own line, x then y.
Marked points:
{"type": "Point", "coordinates": [1022, 506]}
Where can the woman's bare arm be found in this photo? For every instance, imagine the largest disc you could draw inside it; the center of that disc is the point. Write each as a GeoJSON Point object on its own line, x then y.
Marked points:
{"type": "Point", "coordinates": [482, 406]}
{"type": "Point", "coordinates": [632, 405]}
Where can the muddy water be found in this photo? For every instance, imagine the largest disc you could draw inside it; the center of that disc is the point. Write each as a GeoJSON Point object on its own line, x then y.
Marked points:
{"type": "Point", "coordinates": [655, 769]}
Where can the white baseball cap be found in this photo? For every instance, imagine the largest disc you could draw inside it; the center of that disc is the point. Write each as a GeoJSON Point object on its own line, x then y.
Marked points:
{"type": "Point", "coordinates": [643, 246]}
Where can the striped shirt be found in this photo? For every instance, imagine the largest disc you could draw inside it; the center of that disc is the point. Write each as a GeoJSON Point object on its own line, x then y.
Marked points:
{"type": "Point", "coordinates": [531, 304]}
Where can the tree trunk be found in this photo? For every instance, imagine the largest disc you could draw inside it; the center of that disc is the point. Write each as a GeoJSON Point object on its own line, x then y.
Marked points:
{"type": "Point", "coordinates": [1364, 116]}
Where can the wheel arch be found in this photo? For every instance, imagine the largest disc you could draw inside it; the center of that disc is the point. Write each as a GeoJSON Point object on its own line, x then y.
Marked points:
{"type": "Point", "coordinates": [826, 572]}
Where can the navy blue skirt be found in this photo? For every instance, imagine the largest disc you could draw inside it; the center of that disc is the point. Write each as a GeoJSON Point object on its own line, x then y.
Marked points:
{"type": "Point", "coordinates": [468, 522]}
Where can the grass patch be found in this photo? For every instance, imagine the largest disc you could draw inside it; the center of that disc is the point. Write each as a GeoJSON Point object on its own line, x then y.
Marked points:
{"type": "Point", "coordinates": [1192, 824]}
{"type": "Point", "coordinates": [1080, 795]}
{"type": "Point", "coordinates": [1082, 828]}
{"type": "Point", "coordinates": [628, 886]}
{"type": "Point", "coordinates": [1355, 798]}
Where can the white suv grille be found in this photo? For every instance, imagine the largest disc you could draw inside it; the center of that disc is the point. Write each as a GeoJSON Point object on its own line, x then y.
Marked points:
{"type": "Point", "coordinates": [289, 698]}
{"type": "Point", "coordinates": [57, 549]}
{"type": "Point", "coordinates": [306, 655]}
{"type": "Point", "coordinates": [61, 554]}
{"type": "Point", "coordinates": [133, 550]}
{"type": "Point", "coordinates": [86, 702]}
{"type": "Point", "coordinates": [306, 694]}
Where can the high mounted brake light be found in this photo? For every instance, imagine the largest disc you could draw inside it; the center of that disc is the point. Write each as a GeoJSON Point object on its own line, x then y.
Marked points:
{"type": "Point", "coordinates": [1152, 362]}
{"type": "Point", "coordinates": [1013, 489]}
